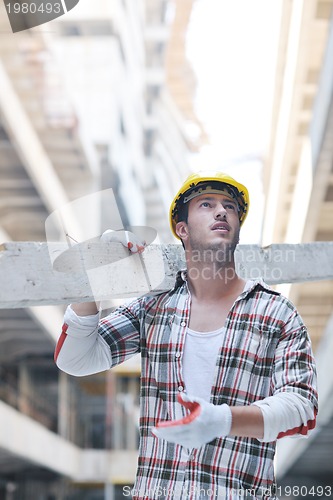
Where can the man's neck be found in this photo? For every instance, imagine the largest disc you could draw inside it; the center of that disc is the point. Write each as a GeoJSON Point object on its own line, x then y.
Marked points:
{"type": "Point", "coordinates": [212, 282]}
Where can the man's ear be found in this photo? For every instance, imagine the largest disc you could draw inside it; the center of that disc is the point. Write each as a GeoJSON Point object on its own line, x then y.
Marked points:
{"type": "Point", "coordinates": [181, 229]}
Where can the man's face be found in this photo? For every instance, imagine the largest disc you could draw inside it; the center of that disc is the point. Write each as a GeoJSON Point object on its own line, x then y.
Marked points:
{"type": "Point", "coordinates": [212, 224]}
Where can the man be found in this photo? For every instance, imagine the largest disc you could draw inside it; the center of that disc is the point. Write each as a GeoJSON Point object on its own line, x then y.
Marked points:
{"type": "Point", "coordinates": [227, 366]}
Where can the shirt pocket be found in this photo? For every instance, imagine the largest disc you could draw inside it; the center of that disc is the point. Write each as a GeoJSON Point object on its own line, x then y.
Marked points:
{"type": "Point", "coordinates": [261, 347]}
{"type": "Point", "coordinates": [259, 341]}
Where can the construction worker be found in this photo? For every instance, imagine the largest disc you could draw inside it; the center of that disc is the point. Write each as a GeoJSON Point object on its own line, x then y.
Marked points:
{"type": "Point", "coordinates": [227, 366]}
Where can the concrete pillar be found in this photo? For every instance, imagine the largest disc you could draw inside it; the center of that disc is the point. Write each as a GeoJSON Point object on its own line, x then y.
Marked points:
{"type": "Point", "coordinates": [109, 491]}
{"type": "Point", "coordinates": [110, 410]}
{"type": "Point", "coordinates": [63, 406]}
{"type": "Point", "coordinates": [25, 390]}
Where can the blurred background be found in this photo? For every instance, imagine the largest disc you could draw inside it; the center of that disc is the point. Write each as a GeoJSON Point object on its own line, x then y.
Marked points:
{"type": "Point", "coordinates": [134, 95]}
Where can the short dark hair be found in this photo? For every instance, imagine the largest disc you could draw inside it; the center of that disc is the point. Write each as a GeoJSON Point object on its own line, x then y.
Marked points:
{"type": "Point", "coordinates": [182, 216]}
{"type": "Point", "coordinates": [183, 212]}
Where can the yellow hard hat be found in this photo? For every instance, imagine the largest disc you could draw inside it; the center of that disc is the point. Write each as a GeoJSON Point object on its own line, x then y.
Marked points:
{"type": "Point", "coordinates": [218, 182]}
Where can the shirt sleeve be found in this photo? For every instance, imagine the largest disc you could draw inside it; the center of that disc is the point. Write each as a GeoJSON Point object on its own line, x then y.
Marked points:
{"type": "Point", "coordinates": [88, 344]}
{"type": "Point", "coordinates": [292, 408]}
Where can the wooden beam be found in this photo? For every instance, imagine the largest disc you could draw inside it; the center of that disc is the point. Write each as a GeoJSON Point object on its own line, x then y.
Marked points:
{"type": "Point", "coordinates": [53, 273]}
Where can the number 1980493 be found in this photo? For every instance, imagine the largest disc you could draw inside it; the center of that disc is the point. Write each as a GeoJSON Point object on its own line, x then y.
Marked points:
{"type": "Point", "coordinates": [34, 8]}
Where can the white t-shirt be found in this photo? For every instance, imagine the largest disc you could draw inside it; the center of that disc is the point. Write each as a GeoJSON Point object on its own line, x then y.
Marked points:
{"type": "Point", "coordinates": [199, 361]}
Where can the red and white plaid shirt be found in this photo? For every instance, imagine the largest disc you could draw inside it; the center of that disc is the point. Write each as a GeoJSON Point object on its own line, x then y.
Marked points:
{"type": "Point", "coordinates": [266, 352]}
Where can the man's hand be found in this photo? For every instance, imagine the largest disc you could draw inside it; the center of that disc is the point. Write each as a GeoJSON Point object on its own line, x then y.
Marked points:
{"type": "Point", "coordinates": [126, 238]}
{"type": "Point", "coordinates": [130, 241]}
{"type": "Point", "coordinates": [204, 423]}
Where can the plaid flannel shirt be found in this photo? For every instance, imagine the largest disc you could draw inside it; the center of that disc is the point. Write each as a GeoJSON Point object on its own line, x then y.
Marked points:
{"type": "Point", "coordinates": [266, 351]}
{"type": "Point", "coordinates": [265, 359]}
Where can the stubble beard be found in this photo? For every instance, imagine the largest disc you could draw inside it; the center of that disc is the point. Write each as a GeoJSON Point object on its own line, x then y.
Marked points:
{"type": "Point", "coordinates": [221, 254]}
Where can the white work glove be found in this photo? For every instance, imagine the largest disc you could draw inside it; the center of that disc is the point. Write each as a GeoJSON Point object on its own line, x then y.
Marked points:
{"type": "Point", "coordinates": [126, 238]}
{"type": "Point", "coordinates": [204, 423]}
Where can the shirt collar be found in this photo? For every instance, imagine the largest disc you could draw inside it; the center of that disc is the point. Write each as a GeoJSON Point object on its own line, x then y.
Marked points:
{"type": "Point", "coordinates": [259, 282]}
{"type": "Point", "coordinates": [181, 279]}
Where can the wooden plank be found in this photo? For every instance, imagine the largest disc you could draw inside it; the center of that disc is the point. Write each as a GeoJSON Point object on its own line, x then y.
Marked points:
{"type": "Point", "coordinates": [52, 273]}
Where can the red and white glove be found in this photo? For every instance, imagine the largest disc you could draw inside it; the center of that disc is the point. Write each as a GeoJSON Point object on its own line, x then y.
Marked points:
{"type": "Point", "coordinates": [126, 238]}
{"type": "Point", "coordinates": [204, 423]}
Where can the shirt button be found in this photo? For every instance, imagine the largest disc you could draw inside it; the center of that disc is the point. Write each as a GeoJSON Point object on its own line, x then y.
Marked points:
{"type": "Point", "coordinates": [177, 355]}
{"type": "Point", "coordinates": [180, 388]}
{"type": "Point", "coordinates": [183, 323]}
